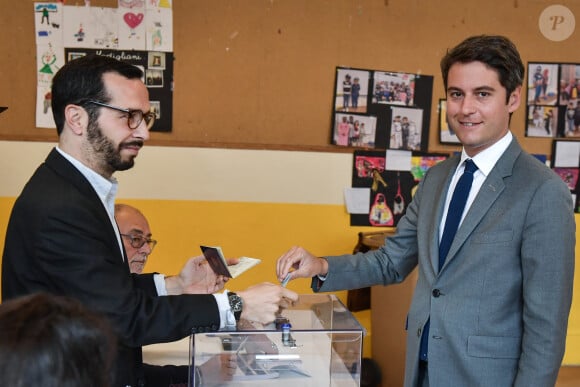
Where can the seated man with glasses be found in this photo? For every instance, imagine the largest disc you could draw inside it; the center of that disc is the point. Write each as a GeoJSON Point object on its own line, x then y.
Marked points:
{"type": "Point", "coordinates": [136, 236]}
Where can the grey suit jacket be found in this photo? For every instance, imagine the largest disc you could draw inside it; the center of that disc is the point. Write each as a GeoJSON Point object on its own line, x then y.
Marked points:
{"type": "Point", "coordinates": [499, 306]}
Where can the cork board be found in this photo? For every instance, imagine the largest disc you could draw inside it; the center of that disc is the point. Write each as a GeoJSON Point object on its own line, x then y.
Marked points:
{"type": "Point", "coordinates": [260, 74]}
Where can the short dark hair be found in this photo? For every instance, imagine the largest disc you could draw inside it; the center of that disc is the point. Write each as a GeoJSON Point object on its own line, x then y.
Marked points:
{"type": "Point", "coordinates": [496, 52]}
{"type": "Point", "coordinates": [54, 341]}
{"type": "Point", "coordinates": [81, 80]}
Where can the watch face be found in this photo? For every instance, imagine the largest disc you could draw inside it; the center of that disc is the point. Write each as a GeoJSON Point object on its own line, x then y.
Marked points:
{"type": "Point", "coordinates": [235, 302]}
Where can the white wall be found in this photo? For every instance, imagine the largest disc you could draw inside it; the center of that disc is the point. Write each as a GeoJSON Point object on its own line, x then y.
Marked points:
{"type": "Point", "coordinates": [205, 174]}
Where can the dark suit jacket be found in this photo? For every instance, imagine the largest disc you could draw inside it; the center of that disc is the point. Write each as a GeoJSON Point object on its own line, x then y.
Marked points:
{"type": "Point", "coordinates": [60, 240]}
{"type": "Point", "coordinates": [499, 306]}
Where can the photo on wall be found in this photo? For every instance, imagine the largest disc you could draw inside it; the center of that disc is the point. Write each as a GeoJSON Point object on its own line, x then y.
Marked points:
{"type": "Point", "coordinates": [354, 130]}
{"type": "Point", "coordinates": [393, 88]}
{"type": "Point", "coordinates": [406, 127]}
{"type": "Point", "coordinates": [552, 100]}
{"type": "Point", "coordinates": [410, 92]}
{"type": "Point", "coordinates": [542, 121]}
{"type": "Point", "coordinates": [542, 83]}
{"type": "Point", "coordinates": [351, 91]}
{"type": "Point", "coordinates": [569, 78]}
{"type": "Point", "coordinates": [569, 99]}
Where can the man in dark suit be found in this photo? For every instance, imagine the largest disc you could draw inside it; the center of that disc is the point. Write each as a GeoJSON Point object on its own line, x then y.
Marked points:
{"type": "Point", "coordinates": [62, 237]}
{"type": "Point", "coordinates": [493, 309]}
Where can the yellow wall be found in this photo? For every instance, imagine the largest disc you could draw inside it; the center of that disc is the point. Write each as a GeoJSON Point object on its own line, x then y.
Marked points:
{"type": "Point", "coordinates": [253, 203]}
{"type": "Point", "coordinates": [572, 355]}
{"type": "Point", "coordinates": [258, 230]}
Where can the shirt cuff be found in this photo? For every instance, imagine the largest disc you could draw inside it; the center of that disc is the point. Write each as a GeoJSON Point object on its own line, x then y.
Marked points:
{"type": "Point", "coordinates": [227, 318]}
{"type": "Point", "coordinates": [160, 284]}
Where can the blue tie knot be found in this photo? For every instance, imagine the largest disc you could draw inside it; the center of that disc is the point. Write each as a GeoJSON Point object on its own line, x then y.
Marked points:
{"type": "Point", "coordinates": [470, 166]}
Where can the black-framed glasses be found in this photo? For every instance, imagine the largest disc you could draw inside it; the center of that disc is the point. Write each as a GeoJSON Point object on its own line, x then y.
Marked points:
{"type": "Point", "coordinates": [134, 116]}
{"type": "Point", "coordinates": [137, 241]}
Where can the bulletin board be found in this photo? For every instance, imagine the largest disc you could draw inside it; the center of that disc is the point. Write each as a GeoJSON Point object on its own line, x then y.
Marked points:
{"type": "Point", "coordinates": [260, 74]}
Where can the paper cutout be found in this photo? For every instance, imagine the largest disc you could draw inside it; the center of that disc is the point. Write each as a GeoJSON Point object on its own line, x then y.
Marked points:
{"type": "Point", "coordinates": [357, 200]}
{"type": "Point", "coordinates": [381, 214]}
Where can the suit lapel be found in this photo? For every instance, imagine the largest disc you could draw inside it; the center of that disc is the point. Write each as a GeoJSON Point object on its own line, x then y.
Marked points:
{"type": "Point", "coordinates": [67, 171]}
{"type": "Point", "coordinates": [491, 189]}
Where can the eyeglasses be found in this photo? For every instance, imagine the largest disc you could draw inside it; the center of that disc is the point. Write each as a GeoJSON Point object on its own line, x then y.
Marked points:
{"type": "Point", "coordinates": [134, 116]}
{"type": "Point", "coordinates": [137, 241]}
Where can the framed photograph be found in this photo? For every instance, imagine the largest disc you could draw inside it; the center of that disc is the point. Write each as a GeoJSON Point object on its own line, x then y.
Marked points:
{"type": "Point", "coordinates": [542, 83]}
{"type": "Point", "coordinates": [351, 91]}
{"type": "Point", "coordinates": [406, 128]}
{"type": "Point", "coordinates": [156, 108]}
{"type": "Point", "coordinates": [542, 121]}
{"type": "Point", "coordinates": [75, 55]}
{"type": "Point", "coordinates": [569, 76]}
{"type": "Point", "coordinates": [394, 88]}
{"type": "Point", "coordinates": [154, 78]}
{"type": "Point", "coordinates": [569, 97]}
{"type": "Point", "coordinates": [357, 130]}
{"type": "Point", "coordinates": [446, 134]}
{"type": "Point", "coordinates": [156, 60]}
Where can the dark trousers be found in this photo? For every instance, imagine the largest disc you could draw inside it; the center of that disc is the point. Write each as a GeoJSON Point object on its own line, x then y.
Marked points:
{"type": "Point", "coordinates": [423, 374]}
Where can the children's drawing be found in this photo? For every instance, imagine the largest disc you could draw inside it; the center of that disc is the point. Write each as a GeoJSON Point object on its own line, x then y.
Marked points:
{"type": "Point", "coordinates": [133, 20]}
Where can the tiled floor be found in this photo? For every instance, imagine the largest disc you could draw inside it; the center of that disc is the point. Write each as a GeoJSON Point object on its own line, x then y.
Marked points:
{"type": "Point", "coordinates": [569, 377]}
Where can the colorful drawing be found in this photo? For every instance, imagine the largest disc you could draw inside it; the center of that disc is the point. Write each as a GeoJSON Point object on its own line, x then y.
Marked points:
{"type": "Point", "coordinates": [80, 35]}
{"type": "Point", "coordinates": [48, 59]}
{"type": "Point", "coordinates": [133, 20]}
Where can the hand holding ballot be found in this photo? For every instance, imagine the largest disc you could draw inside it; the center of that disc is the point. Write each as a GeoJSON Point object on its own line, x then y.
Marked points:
{"type": "Point", "coordinates": [197, 277]}
{"type": "Point", "coordinates": [263, 301]}
{"type": "Point", "coordinates": [305, 265]}
{"type": "Point", "coordinates": [228, 269]}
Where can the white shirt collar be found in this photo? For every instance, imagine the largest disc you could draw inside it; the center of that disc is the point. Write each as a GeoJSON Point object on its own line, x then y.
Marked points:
{"type": "Point", "coordinates": [486, 159]}
{"type": "Point", "coordinates": [106, 188]}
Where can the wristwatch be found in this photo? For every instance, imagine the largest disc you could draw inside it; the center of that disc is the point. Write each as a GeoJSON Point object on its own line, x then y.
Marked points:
{"type": "Point", "coordinates": [236, 304]}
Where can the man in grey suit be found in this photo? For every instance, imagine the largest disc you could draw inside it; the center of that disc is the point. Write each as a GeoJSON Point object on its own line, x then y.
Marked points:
{"type": "Point", "coordinates": [494, 312]}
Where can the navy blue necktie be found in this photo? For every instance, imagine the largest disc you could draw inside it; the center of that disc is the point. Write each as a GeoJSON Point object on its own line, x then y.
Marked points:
{"type": "Point", "coordinates": [454, 213]}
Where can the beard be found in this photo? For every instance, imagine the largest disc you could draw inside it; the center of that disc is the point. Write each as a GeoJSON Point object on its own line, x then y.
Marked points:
{"type": "Point", "coordinates": [110, 154]}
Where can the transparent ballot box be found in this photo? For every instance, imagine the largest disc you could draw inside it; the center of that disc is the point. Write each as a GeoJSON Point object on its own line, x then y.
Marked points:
{"type": "Point", "coordinates": [317, 342]}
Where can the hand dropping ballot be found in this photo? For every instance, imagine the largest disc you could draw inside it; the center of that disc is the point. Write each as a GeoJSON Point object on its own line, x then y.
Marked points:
{"type": "Point", "coordinates": [219, 265]}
